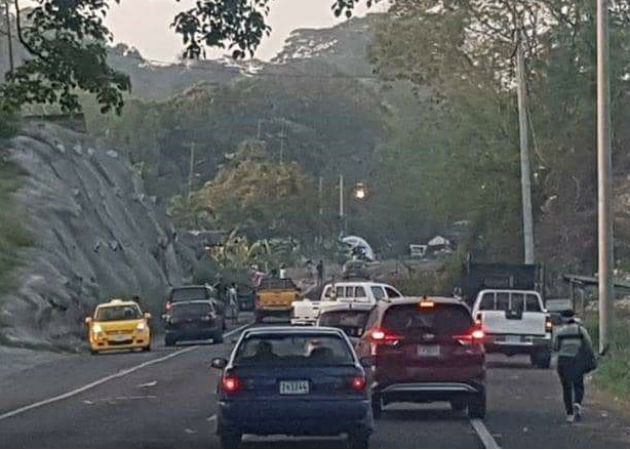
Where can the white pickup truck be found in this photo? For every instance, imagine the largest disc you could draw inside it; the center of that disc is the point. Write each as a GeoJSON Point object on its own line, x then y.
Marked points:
{"type": "Point", "coordinates": [515, 322]}
{"type": "Point", "coordinates": [305, 312]}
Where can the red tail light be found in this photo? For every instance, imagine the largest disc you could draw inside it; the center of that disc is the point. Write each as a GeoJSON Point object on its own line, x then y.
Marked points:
{"type": "Point", "coordinates": [475, 336]}
{"type": "Point", "coordinates": [382, 336]}
{"type": "Point", "coordinates": [230, 384]}
{"type": "Point", "coordinates": [358, 383]}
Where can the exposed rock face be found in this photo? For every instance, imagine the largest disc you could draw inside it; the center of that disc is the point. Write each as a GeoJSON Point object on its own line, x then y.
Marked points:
{"type": "Point", "coordinates": [97, 235]}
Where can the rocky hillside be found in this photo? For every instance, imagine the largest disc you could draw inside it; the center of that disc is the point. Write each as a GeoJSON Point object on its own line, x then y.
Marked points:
{"type": "Point", "coordinates": [97, 235]}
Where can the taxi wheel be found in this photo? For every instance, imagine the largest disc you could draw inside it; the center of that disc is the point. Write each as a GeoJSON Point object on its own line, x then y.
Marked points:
{"type": "Point", "coordinates": [230, 439]}
{"type": "Point", "coordinates": [93, 352]}
{"type": "Point", "coordinates": [147, 348]}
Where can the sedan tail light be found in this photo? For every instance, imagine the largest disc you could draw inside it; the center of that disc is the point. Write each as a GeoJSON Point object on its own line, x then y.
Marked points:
{"type": "Point", "coordinates": [358, 383]}
{"type": "Point", "coordinates": [230, 384]}
{"type": "Point", "coordinates": [548, 324]}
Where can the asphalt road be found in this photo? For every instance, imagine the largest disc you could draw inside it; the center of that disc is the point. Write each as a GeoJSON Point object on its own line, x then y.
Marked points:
{"type": "Point", "coordinates": [167, 400]}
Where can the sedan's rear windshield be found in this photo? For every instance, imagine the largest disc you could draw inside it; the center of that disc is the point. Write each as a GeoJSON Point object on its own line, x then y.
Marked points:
{"type": "Point", "coordinates": [294, 350]}
{"type": "Point", "coordinates": [112, 313]}
{"type": "Point", "coordinates": [438, 319]}
{"type": "Point", "coordinates": [182, 295]}
{"type": "Point", "coordinates": [343, 318]}
{"type": "Point", "coordinates": [190, 309]}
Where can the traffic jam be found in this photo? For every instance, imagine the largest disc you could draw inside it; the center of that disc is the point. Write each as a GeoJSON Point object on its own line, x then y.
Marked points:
{"type": "Point", "coordinates": [332, 360]}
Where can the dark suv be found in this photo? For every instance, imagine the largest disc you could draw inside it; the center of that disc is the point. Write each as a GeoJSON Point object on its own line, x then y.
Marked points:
{"type": "Point", "coordinates": [193, 320]}
{"type": "Point", "coordinates": [425, 350]}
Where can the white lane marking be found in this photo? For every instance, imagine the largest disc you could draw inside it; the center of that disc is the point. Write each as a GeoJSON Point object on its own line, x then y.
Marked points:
{"type": "Point", "coordinates": [212, 418]}
{"type": "Point", "coordinates": [96, 383]}
{"type": "Point", "coordinates": [93, 384]}
{"type": "Point", "coordinates": [486, 438]}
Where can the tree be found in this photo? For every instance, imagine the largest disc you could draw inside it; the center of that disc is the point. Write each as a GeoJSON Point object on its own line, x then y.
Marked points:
{"type": "Point", "coordinates": [261, 197]}
{"type": "Point", "coordinates": [66, 42]}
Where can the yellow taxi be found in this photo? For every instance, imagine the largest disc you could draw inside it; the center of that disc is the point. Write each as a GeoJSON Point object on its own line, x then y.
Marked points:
{"type": "Point", "coordinates": [118, 325]}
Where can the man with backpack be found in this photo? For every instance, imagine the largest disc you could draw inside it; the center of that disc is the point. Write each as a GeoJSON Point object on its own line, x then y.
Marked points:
{"type": "Point", "coordinates": [575, 359]}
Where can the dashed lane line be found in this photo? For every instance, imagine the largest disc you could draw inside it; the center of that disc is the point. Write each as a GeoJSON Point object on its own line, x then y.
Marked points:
{"type": "Point", "coordinates": [103, 380]}
{"type": "Point", "coordinates": [486, 438]}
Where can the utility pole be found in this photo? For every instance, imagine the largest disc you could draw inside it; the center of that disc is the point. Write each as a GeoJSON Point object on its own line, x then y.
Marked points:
{"type": "Point", "coordinates": [604, 179]}
{"type": "Point", "coordinates": [342, 219]}
{"type": "Point", "coordinates": [191, 169]}
{"type": "Point", "coordinates": [320, 192]}
{"type": "Point", "coordinates": [9, 35]}
{"type": "Point", "coordinates": [526, 184]}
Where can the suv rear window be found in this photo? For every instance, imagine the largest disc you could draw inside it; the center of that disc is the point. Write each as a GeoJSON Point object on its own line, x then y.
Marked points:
{"type": "Point", "coordinates": [190, 309]}
{"type": "Point", "coordinates": [182, 295]}
{"type": "Point", "coordinates": [440, 319]}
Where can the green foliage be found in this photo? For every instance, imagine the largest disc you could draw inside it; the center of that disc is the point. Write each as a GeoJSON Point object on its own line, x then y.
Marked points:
{"type": "Point", "coordinates": [67, 52]}
{"type": "Point", "coordinates": [614, 369]}
{"type": "Point", "coordinates": [9, 123]}
{"type": "Point", "coordinates": [259, 196]}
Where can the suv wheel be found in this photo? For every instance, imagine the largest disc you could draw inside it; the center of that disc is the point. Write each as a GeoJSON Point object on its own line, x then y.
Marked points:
{"type": "Point", "coordinates": [218, 338]}
{"type": "Point", "coordinates": [169, 342]}
{"type": "Point", "coordinates": [230, 439]}
{"type": "Point", "coordinates": [258, 317]}
{"type": "Point", "coordinates": [377, 406]}
{"type": "Point", "coordinates": [358, 439]}
{"type": "Point", "coordinates": [477, 407]}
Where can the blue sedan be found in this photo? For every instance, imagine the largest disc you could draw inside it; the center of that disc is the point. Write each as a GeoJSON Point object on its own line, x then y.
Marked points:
{"type": "Point", "coordinates": [296, 382]}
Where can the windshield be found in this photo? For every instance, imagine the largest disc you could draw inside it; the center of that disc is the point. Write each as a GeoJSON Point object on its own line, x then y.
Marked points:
{"type": "Point", "coordinates": [439, 319]}
{"type": "Point", "coordinates": [180, 295]}
{"type": "Point", "coordinates": [294, 350]}
{"type": "Point", "coordinates": [112, 313]}
{"type": "Point", "coordinates": [191, 309]}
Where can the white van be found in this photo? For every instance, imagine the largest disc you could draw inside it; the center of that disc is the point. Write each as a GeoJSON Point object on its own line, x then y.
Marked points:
{"type": "Point", "coordinates": [515, 322]}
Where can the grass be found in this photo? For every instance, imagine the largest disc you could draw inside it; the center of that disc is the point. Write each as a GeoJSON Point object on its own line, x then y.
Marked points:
{"type": "Point", "coordinates": [13, 234]}
{"type": "Point", "coordinates": [613, 374]}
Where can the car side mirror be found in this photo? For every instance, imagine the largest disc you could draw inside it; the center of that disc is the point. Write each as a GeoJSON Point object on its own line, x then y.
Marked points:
{"type": "Point", "coordinates": [147, 316]}
{"type": "Point", "coordinates": [218, 363]}
{"type": "Point", "coordinates": [88, 320]}
{"type": "Point", "coordinates": [368, 361]}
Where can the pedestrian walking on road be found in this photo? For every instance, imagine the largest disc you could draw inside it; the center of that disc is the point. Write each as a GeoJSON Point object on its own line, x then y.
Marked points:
{"type": "Point", "coordinates": [575, 359]}
{"type": "Point", "coordinates": [320, 272]}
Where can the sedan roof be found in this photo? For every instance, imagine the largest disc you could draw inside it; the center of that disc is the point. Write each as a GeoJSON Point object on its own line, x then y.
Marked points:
{"type": "Point", "coordinates": [287, 330]}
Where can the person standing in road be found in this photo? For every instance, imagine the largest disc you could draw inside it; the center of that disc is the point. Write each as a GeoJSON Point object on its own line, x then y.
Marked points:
{"type": "Point", "coordinates": [320, 272]}
{"type": "Point", "coordinates": [575, 359]}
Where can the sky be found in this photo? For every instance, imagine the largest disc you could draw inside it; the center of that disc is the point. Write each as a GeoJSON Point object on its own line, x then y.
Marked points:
{"type": "Point", "coordinates": [145, 24]}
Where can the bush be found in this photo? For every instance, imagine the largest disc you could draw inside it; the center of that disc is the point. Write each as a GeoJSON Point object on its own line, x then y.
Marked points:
{"type": "Point", "coordinates": [613, 372]}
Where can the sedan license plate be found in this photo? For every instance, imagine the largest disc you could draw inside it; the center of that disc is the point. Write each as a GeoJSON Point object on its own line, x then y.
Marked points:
{"type": "Point", "coordinates": [296, 387]}
{"type": "Point", "coordinates": [513, 339]}
{"type": "Point", "coordinates": [429, 350]}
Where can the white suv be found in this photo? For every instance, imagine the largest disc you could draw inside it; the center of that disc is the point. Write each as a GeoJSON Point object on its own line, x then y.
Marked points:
{"type": "Point", "coordinates": [305, 312]}
{"type": "Point", "coordinates": [515, 322]}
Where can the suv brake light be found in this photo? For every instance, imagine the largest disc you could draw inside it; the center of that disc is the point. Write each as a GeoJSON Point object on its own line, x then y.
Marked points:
{"type": "Point", "coordinates": [382, 336]}
{"type": "Point", "coordinates": [475, 336]}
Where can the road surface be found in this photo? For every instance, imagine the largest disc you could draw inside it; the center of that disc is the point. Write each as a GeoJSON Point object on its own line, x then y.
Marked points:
{"type": "Point", "coordinates": [166, 399]}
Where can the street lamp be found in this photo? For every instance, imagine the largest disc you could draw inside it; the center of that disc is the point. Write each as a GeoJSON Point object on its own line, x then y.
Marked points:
{"type": "Point", "coordinates": [360, 191]}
